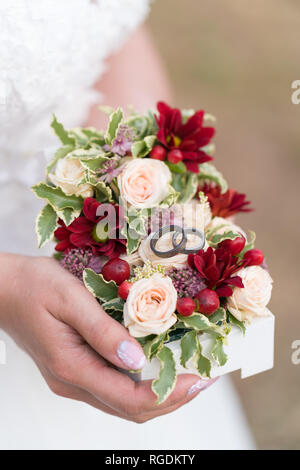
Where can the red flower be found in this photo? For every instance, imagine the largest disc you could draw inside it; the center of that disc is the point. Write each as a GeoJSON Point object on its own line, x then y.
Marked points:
{"type": "Point", "coordinates": [227, 204]}
{"type": "Point", "coordinates": [189, 138]}
{"type": "Point", "coordinates": [81, 232]}
{"type": "Point", "coordinates": [217, 267]}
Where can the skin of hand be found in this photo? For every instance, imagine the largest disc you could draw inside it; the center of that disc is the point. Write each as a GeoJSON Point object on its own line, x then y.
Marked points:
{"type": "Point", "coordinates": [75, 344]}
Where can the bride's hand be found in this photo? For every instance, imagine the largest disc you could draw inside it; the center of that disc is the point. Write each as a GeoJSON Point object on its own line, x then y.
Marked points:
{"type": "Point", "coordinates": [75, 344]}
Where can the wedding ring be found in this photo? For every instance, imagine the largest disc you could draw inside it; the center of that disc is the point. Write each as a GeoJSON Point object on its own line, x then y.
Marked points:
{"type": "Point", "coordinates": [177, 247]}
{"type": "Point", "coordinates": [192, 231]}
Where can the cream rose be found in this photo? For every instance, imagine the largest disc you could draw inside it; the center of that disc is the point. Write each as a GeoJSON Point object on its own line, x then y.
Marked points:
{"type": "Point", "coordinates": [68, 174]}
{"type": "Point", "coordinates": [144, 182]}
{"type": "Point", "coordinates": [150, 306]}
{"type": "Point", "coordinates": [221, 225]}
{"type": "Point", "coordinates": [251, 301]}
{"type": "Point", "coordinates": [190, 215]}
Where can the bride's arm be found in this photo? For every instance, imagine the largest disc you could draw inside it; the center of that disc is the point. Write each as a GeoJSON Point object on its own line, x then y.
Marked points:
{"type": "Point", "coordinates": [74, 343]}
{"type": "Point", "coordinates": [135, 76]}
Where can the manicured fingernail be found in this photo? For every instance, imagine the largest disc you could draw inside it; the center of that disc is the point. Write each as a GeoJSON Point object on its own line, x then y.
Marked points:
{"type": "Point", "coordinates": [131, 355]}
{"type": "Point", "coordinates": [202, 384]}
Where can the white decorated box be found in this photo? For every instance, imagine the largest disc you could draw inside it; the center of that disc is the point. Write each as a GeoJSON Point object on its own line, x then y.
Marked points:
{"type": "Point", "coordinates": [252, 352]}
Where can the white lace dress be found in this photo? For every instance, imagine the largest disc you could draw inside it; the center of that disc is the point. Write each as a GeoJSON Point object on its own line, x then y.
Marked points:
{"type": "Point", "coordinates": [51, 52]}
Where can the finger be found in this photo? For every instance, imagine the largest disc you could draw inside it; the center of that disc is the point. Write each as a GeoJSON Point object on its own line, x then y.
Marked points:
{"type": "Point", "coordinates": [160, 412]}
{"type": "Point", "coordinates": [104, 334]}
{"type": "Point", "coordinates": [120, 392]}
{"type": "Point", "coordinates": [74, 393]}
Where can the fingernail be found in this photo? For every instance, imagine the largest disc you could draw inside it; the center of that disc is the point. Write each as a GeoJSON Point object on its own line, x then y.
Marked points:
{"type": "Point", "coordinates": [202, 384]}
{"type": "Point", "coordinates": [131, 355]}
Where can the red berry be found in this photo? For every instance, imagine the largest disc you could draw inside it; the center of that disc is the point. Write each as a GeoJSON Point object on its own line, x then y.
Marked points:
{"type": "Point", "coordinates": [186, 306]}
{"type": "Point", "coordinates": [175, 156]}
{"type": "Point", "coordinates": [117, 270]}
{"type": "Point", "coordinates": [234, 246]}
{"type": "Point", "coordinates": [254, 257]}
{"type": "Point", "coordinates": [158, 152]}
{"type": "Point", "coordinates": [208, 301]}
{"type": "Point", "coordinates": [123, 290]}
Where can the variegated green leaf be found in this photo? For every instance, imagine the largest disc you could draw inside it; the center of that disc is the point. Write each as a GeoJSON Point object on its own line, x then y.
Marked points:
{"type": "Point", "coordinates": [250, 243]}
{"type": "Point", "coordinates": [190, 188]}
{"type": "Point", "coordinates": [103, 192]}
{"type": "Point", "coordinates": [203, 364]}
{"type": "Point", "coordinates": [94, 164]}
{"type": "Point", "coordinates": [179, 168]}
{"type": "Point", "coordinates": [61, 132]}
{"type": "Point", "coordinates": [171, 198]}
{"type": "Point", "coordinates": [88, 155]}
{"type": "Point", "coordinates": [200, 322]}
{"type": "Point", "coordinates": [46, 223]}
{"type": "Point", "coordinates": [151, 347]}
{"type": "Point", "coordinates": [68, 215]}
{"type": "Point", "coordinates": [56, 197]}
{"type": "Point", "coordinates": [116, 304]}
{"type": "Point", "coordinates": [236, 322]}
{"type": "Point", "coordinates": [115, 120]}
{"type": "Point", "coordinates": [189, 347]}
{"type": "Point", "coordinates": [218, 316]}
{"type": "Point", "coordinates": [209, 172]}
{"type": "Point", "coordinates": [218, 238]}
{"type": "Point", "coordinates": [60, 153]}
{"type": "Point", "coordinates": [99, 287]}
{"type": "Point", "coordinates": [166, 381]}
{"type": "Point", "coordinates": [218, 352]}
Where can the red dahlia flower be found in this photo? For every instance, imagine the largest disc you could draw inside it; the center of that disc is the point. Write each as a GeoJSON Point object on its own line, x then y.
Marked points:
{"type": "Point", "coordinates": [217, 267]}
{"type": "Point", "coordinates": [81, 232]}
{"type": "Point", "coordinates": [189, 138]}
{"type": "Point", "coordinates": [227, 204]}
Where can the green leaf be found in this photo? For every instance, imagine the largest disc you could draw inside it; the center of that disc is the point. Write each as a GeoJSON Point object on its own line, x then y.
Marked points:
{"type": "Point", "coordinates": [152, 346]}
{"type": "Point", "coordinates": [176, 167]}
{"type": "Point", "coordinates": [218, 316]}
{"type": "Point", "coordinates": [60, 153]}
{"type": "Point", "coordinates": [68, 215]}
{"type": "Point", "coordinates": [116, 304]}
{"type": "Point", "coordinates": [236, 322]}
{"type": "Point", "coordinates": [200, 322]}
{"type": "Point", "coordinates": [115, 120]}
{"type": "Point", "coordinates": [189, 347]}
{"type": "Point", "coordinates": [56, 197]}
{"type": "Point", "coordinates": [99, 287]}
{"type": "Point", "coordinates": [81, 139]}
{"type": "Point", "coordinates": [218, 238]}
{"type": "Point", "coordinates": [218, 353]}
{"type": "Point", "coordinates": [190, 188]}
{"type": "Point", "coordinates": [171, 198]}
{"type": "Point", "coordinates": [249, 245]}
{"type": "Point", "coordinates": [203, 364]}
{"type": "Point", "coordinates": [166, 381]}
{"type": "Point", "coordinates": [46, 223]}
{"type": "Point", "coordinates": [179, 182]}
{"type": "Point", "coordinates": [143, 147]}
{"type": "Point", "coordinates": [61, 132]}
{"type": "Point", "coordinates": [209, 172]}
{"type": "Point", "coordinates": [103, 192]}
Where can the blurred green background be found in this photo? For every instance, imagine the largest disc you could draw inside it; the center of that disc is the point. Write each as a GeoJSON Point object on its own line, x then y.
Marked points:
{"type": "Point", "coordinates": [237, 59]}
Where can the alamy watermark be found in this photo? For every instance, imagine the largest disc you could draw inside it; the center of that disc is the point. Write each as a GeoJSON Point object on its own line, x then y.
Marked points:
{"type": "Point", "coordinates": [295, 357]}
{"type": "Point", "coordinates": [295, 96]}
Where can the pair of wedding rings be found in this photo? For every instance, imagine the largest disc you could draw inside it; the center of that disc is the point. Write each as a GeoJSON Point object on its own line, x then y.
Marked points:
{"type": "Point", "coordinates": [179, 240]}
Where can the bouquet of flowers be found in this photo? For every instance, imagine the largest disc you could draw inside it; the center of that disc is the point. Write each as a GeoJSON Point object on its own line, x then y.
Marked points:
{"type": "Point", "coordinates": [144, 219]}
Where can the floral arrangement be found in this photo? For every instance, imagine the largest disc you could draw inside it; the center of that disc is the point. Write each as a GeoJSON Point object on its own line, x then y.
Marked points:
{"type": "Point", "coordinates": [144, 219]}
